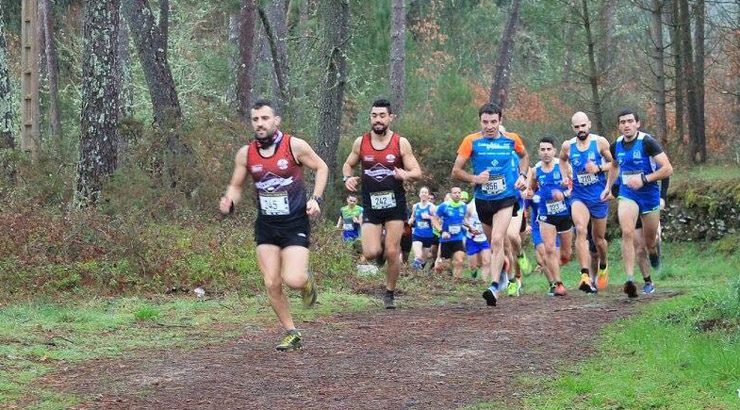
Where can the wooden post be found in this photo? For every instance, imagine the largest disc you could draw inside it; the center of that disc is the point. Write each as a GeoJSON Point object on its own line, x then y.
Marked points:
{"type": "Point", "coordinates": [30, 132]}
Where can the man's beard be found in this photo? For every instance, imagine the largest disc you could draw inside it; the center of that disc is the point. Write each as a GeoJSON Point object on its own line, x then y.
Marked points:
{"type": "Point", "coordinates": [380, 129]}
{"type": "Point", "coordinates": [582, 136]}
{"type": "Point", "coordinates": [266, 141]}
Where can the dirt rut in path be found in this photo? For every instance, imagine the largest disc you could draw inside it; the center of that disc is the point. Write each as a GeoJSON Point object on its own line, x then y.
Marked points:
{"type": "Point", "coordinates": [426, 358]}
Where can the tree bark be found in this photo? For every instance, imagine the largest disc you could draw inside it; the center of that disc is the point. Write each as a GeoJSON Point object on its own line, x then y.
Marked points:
{"type": "Point", "coordinates": [398, 56]}
{"type": "Point", "coordinates": [245, 71]}
{"type": "Point", "coordinates": [502, 77]}
{"type": "Point", "coordinates": [691, 81]}
{"type": "Point", "coordinates": [124, 68]}
{"type": "Point", "coordinates": [700, 13]}
{"type": "Point", "coordinates": [661, 128]}
{"type": "Point", "coordinates": [164, 24]}
{"type": "Point", "coordinates": [336, 38]}
{"type": "Point", "coordinates": [276, 31]}
{"type": "Point", "coordinates": [52, 68]}
{"type": "Point", "coordinates": [679, 85]}
{"type": "Point", "coordinates": [7, 140]}
{"type": "Point", "coordinates": [99, 114]}
{"type": "Point", "coordinates": [594, 77]}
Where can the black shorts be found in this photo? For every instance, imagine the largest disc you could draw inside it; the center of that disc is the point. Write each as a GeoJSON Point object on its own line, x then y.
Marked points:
{"type": "Point", "coordinates": [447, 249]}
{"type": "Point", "coordinates": [487, 209]}
{"type": "Point", "coordinates": [562, 223]}
{"type": "Point", "coordinates": [425, 242]}
{"type": "Point", "coordinates": [406, 243]}
{"type": "Point", "coordinates": [283, 234]}
{"type": "Point", "coordinates": [380, 216]}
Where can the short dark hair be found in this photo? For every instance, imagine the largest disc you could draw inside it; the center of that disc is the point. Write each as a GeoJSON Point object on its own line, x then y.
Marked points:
{"type": "Point", "coordinates": [490, 108]}
{"type": "Point", "coordinates": [548, 139]}
{"type": "Point", "coordinates": [628, 111]}
{"type": "Point", "coordinates": [383, 103]}
{"type": "Point", "coordinates": [264, 102]}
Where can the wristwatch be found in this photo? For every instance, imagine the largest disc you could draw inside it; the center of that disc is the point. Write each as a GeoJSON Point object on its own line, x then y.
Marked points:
{"type": "Point", "coordinates": [319, 200]}
{"type": "Point", "coordinates": [346, 177]}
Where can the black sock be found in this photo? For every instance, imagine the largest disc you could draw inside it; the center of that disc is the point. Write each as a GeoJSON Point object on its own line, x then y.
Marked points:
{"type": "Point", "coordinates": [648, 280]}
{"type": "Point", "coordinates": [389, 292]}
{"type": "Point", "coordinates": [584, 270]}
{"type": "Point", "coordinates": [602, 266]}
{"type": "Point", "coordinates": [558, 283]}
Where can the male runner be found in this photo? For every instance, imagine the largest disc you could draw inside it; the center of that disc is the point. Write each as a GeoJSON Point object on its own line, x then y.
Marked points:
{"type": "Point", "coordinates": [422, 232]}
{"type": "Point", "coordinates": [350, 219]}
{"type": "Point", "coordinates": [450, 216]}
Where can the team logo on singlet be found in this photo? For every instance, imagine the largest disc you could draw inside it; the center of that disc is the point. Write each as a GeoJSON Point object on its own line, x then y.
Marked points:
{"type": "Point", "coordinates": [282, 163]}
{"type": "Point", "coordinates": [270, 182]}
{"type": "Point", "coordinates": [390, 158]}
{"type": "Point", "coordinates": [591, 156]}
{"type": "Point", "coordinates": [368, 158]}
{"type": "Point", "coordinates": [378, 172]}
{"type": "Point", "coordinates": [576, 162]}
{"type": "Point", "coordinates": [494, 162]}
{"type": "Point", "coordinates": [637, 155]}
{"type": "Point", "coordinates": [257, 168]}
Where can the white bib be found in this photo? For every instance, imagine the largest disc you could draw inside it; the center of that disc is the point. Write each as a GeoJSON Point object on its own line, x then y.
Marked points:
{"type": "Point", "coordinates": [454, 229]}
{"type": "Point", "coordinates": [495, 185]}
{"type": "Point", "coordinates": [274, 203]}
{"type": "Point", "coordinates": [555, 207]}
{"type": "Point", "coordinates": [587, 179]}
{"type": "Point", "coordinates": [422, 224]}
{"type": "Point", "coordinates": [348, 227]}
{"type": "Point", "coordinates": [383, 200]}
{"type": "Point", "coordinates": [626, 175]}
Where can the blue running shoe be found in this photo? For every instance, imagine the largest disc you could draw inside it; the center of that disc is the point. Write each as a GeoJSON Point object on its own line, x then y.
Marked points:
{"type": "Point", "coordinates": [648, 288]}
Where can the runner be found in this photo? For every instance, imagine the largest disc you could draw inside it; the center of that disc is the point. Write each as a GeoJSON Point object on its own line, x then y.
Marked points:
{"type": "Point", "coordinates": [451, 217]}
{"type": "Point", "coordinates": [496, 180]}
{"type": "Point", "coordinates": [275, 161]}
{"type": "Point", "coordinates": [640, 163]}
{"type": "Point", "coordinates": [477, 246]}
{"type": "Point", "coordinates": [539, 245]}
{"type": "Point", "coordinates": [387, 161]}
{"type": "Point", "coordinates": [550, 192]}
{"type": "Point", "coordinates": [350, 219]}
{"type": "Point", "coordinates": [589, 158]}
{"type": "Point", "coordinates": [422, 234]}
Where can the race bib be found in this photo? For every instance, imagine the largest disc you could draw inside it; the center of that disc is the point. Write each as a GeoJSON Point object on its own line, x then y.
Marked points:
{"type": "Point", "coordinates": [275, 203]}
{"type": "Point", "coordinates": [587, 179]}
{"type": "Point", "coordinates": [382, 200]}
{"type": "Point", "coordinates": [555, 207]}
{"type": "Point", "coordinates": [348, 227]}
{"type": "Point", "coordinates": [422, 224]}
{"type": "Point", "coordinates": [629, 174]}
{"type": "Point", "coordinates": [495, 185]}
{"type": "Point", "coordinates": [454, 229]}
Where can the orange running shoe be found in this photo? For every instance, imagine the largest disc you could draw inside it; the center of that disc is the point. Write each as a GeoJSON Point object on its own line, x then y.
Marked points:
{"type": "Point", "coordinates": [560, 290]}
{"type": "Point", "coordinates": [602, 278]}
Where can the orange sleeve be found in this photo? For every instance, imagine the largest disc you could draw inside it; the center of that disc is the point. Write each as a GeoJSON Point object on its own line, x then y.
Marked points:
{"type": "Point", "coordinates": [466, 146]}
{"type": "Point", "coordinates": [518, 144]}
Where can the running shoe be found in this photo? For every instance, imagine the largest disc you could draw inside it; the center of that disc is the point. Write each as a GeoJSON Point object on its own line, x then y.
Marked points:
{"type": "Point", "coordinates": [491, 295]}
{"type": "Point", "coordinates": [551, 290]}
{"type": "Point", "coordinates": [308, 292]}
{"type": "Point", "coordinates": [602, 278]}
{"type": "Point", "coordinates": [654, 260]}
{"type": "Point", "coordinates": [648, 288]}
{"type": "Point", "coordinates": [585, 283]}
{"type": "Point", "coordinates": [524, 264]}
{"type": "Point", "coordinates": [630, 289]}
{"type": "Point", "coordinates": [474, 274]}
{"type": "Point", "coordinates": [389, 300]}
{"type": "Point", "coordinates": [512, 289]}
{"type": "Point", "coordinates": [291, 341]}
{"type": "Point", "coordinates": [560, 290]}
{"type": "Point", "coordinates": [417, 264]}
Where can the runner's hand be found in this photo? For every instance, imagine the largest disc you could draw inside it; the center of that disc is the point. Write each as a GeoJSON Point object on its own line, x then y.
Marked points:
{"type": "Point", "coordinates": [445, 235]}
{"type": "Point", "coordinates": [400, 174]}
{"type": "Point", "coordinates": [606, 195]}
{"type": "Point", "coordinates": [481, 178]}
{"type": "Point", "coordinates": [558, 195]}
{"type": "Point", "coordinates": [521, 182]}
{"type": "Point", "coordinates": [634, 182]}
{"type": "Point", "coordinates": [226, 205]}
{"type": "Point", "coordinates": [592, 168]}
{"type": "Point", "coordinates": [351, 183]}
{"type": "Point", "coordinates": [566, 181]}
{"type": "Point", "coordinates": [312, 208]}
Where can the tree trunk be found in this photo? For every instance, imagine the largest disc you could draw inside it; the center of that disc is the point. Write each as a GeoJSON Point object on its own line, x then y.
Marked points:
{"type": "Point", "coordinates": [607, 30]}
{"type": "Point", "coordinates": [124, 68]}
{"type": "Point", "coordinates": [164, 24]}
{"type": "Point", "coordinates": [398, 56]}
{"type": "Point", "coordinates": [151, 46]}
{"type": "Point", "coordinates": [691, 82]}
{"type": "Point", "coordinates": [99, 114]}
{"type": "Point", "coordinates": [7, 140]}
{"type": "Point", "coordinates": [52, 68]}
{"type": "Point", "coordinates": [276, 31]}
{"type": "Point", "coordinates": [700, 13]}
{"type": "Point", "coordinates": [502, 77]}
{"type": "Point", "coordinates": [30, 130]}
{"type": "Point", "coordinates": [594, 76]}
{"type": "Point", "coordinates": [679, 82]}
{"type": "Point", "coordinates": [336, 38]}
{"type": "Point", "coordinates": [661, 128]}
{"type": "Point", "coordinates": [245, 71]}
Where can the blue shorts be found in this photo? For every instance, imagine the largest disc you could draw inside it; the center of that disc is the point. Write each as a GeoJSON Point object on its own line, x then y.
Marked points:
{"type": "Point", "coordinates": [472, 247]}
{"type": "Point", "coordinates": [598, 209]}
{"type": "Point", "coordinates": [537, 237]}
{"type": "Point", "coordinates": [350, 236]}
{"type": "Point", "coordinates": [645, 205]}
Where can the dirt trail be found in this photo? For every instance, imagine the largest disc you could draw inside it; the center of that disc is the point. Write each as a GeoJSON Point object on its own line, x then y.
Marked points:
{"type": "Point", "coordinates": [414, 358]}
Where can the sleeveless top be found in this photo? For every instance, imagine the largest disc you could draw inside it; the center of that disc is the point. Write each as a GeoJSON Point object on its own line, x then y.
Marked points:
{"type": "Point", "coordinates": [380, 189]}
{"type": "Point", "coordinates": [586, 186]}
{"type": "Point", "coordinates": [547, 182]}
{"type": "Point", "coordinates": [634, 161]}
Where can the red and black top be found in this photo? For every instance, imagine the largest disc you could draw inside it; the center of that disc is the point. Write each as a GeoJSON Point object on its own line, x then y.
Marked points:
{"type": "Point", "coordinates": [278, 181]}
{"type": "Point", "coordinates": [377, 170]}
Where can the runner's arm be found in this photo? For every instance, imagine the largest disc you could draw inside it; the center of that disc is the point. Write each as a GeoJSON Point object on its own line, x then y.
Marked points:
{"type": "Point", "coordinates": [347, 168]}
{"type": "Point", "coordinates": [564, 161]}
{"type": "Point", "coordinates": [234, 189]}
{"type": "Point", "coordinates": [411, 168]}
{"type": "Point", "coordinates": [606, 155]}
{"type": "Point", "coordinates": [308, 157]}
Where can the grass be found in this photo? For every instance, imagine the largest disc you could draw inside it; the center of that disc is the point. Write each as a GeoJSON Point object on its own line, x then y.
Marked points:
{"type": "Point", "coordinates": [682, 352]}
